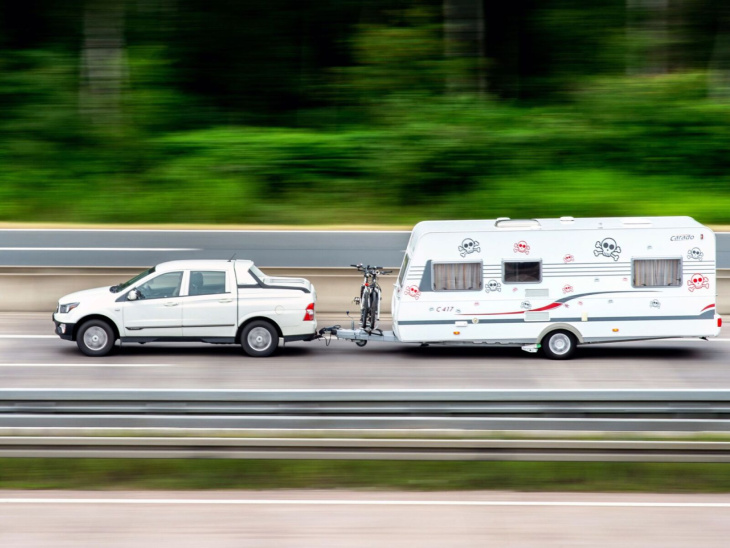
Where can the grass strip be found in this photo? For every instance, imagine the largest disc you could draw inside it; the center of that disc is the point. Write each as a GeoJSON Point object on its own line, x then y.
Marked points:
{"type": "Point", "coordinates": [172, 474]}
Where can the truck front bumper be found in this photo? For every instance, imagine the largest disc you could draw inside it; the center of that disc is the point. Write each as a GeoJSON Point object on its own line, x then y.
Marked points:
{"type": "Point", "coordinates": [63, 329]}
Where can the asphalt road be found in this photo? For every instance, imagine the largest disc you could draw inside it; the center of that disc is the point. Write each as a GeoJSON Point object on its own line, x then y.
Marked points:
{"type": "Point", "coordinates": [347, 519]}
{"type": "Point", "coordinates": [32, 357]}
{"type": "Point", "coordinates": [139, 248]}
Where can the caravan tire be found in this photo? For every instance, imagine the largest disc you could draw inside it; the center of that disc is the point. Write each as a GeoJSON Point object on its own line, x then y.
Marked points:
{"type": "Point", "coordinates": [559, 345]}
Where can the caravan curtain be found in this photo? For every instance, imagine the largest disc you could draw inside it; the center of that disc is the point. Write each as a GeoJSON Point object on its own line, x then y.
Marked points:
{"type": "Point", "coordinates": [457, 277]}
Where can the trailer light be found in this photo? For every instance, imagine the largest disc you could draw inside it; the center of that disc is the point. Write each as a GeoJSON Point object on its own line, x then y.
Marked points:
{"type": "Point", "coordinates": [309, 313]}
{"type": "Point", "coordinates": [719, 322]}
{"type": "Point", "coordinates": [457, 332]}
{"type": "Point", "coordinates": [615, 330]}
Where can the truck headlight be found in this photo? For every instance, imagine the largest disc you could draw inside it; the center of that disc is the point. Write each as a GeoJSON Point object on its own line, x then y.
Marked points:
{"type": "Point", "coordinates": [66, 308]}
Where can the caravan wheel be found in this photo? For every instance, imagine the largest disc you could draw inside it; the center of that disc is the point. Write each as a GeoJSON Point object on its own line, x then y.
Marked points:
{"type": "Point", "coordinates": [559, 345]}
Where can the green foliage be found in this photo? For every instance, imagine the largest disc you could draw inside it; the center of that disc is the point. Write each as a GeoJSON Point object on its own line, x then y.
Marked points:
{"type": "Point", "coordinates": [374, 132]}
{"type": "Point", "coordinates": [342, 474]}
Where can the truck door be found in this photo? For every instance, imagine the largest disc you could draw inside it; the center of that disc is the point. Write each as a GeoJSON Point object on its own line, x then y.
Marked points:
{"type": "Point", "coordinates": [158, 310]}
{"type": "Point", "coordinates": [210, 306]}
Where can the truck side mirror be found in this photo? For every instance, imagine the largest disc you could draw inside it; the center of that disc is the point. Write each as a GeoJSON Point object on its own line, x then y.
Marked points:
{"type": "Point", "coordinates": [133, 295]}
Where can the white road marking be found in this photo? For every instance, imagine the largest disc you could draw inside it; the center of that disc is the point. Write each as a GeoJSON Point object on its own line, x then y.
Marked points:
{"type": "Point", "coordinates": [28, 336]}
{"type": "Point", "coordinates": [214, 231]}
{"type": "Point", "coordinates": [95, 364]}
{"type": "Point", "coordinates": [335, 502]}
{"type": "Point", "coordinates": [99, 249]}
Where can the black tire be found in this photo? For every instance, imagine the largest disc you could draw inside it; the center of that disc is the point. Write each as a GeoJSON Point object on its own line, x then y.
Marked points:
{"type": "Point", "coordinates": [364, 308]}
{"type": "Point", "coordinates": [259, 339]}
{"type": "Point", "coordinates": [559, 345]}
{"type": "Point", "coordinates": [95, 338]}
{"type": "Point", "coordinates": [361, 343]}
{"type": "Point", "coordinates": [373, 314]}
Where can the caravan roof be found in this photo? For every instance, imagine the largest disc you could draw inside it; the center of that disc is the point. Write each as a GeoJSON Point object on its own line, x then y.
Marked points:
{"type": "Point", "coordinates": [563, 223]}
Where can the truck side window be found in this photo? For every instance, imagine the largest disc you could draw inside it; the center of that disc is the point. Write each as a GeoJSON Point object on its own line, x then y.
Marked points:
{"type": "Point", "coordinates": [657, 273]}
{"type": "Point", "coordinates": [161, 287]}
{"type": "Point", "coordinates": [514, 272]}
{"type": "Point", "coordinates": [206, 283]}
{"type": "Point", "coordinates": [457, 277]}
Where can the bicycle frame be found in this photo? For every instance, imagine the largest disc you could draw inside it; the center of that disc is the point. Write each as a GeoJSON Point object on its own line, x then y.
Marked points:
{"type": "Point", "coordinates": [370, 296]}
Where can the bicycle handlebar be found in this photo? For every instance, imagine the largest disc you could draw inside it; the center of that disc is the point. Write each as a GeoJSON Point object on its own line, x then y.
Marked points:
{"type": "Point", "coordinates": [371, 269]}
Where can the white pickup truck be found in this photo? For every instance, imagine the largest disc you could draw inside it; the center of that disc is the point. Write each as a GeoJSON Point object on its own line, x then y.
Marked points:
{"type": "Point", "coordinates": [221, 302]}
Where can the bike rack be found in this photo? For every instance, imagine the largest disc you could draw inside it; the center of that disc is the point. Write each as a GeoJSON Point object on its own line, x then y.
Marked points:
{"type": "Point", "coordinates": [358, 334]}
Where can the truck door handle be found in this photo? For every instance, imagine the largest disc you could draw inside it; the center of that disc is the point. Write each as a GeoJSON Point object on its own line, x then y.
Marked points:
{"type": "Point", "coordinates": [172, 304]}
{"type": "Point", "coordinates": [225, 301]}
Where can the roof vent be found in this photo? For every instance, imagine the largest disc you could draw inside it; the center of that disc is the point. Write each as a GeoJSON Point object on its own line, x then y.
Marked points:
{"type": "Point", "coordinates": [529, 224]}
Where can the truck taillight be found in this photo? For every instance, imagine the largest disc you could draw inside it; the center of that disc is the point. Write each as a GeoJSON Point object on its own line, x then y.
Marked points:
{"type": "Point", "coordinates": [309, 313]}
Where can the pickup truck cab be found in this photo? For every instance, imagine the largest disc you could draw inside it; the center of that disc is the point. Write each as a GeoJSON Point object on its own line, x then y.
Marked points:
{"type": "Point", "coordinates": [223, 302]}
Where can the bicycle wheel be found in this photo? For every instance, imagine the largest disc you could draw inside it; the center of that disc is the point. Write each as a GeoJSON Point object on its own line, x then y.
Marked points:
{"type": "Point", "coordinates": [373, 314]}
{"type": "Point", "coordinates": [364, 308]}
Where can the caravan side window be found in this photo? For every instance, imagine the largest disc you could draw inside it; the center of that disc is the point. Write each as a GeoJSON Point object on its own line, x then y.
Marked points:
{"type": "Point", "coordinates": [457, 276]}
{"type": "Point", "coordinates": [656, 272]}
{"type": "Point", "coordinates": [521, 272]}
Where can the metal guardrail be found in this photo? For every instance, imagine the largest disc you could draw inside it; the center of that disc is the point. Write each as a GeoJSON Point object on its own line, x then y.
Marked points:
{"type": "Point", "coordinates": [605, 410]}
{"type": "Point", "coordinates": [378, 449]}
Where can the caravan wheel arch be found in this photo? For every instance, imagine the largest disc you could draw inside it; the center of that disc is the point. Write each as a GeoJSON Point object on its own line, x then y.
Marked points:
{"type": "Point", "coordinates": [561, 327]}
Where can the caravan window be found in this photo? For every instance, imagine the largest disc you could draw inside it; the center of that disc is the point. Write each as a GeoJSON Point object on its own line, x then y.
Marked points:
{"type": "Point", "coordinates": [657, 272]}
{"type": "Point", "coordinates": [457, 276]}
{"type": "Point", "coordinates": [525, 272]}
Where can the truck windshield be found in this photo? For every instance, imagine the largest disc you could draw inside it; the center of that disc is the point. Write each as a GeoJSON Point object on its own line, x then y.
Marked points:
{"type": "Point", "coordinates": [125, 285]}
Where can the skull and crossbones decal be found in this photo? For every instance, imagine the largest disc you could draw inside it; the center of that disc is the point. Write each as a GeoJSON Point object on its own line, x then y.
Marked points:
{"type": "Point", "coordinates": [493, 285]}
{"type": "Point", "coordinates": [567, 289]}
{"type": "Point", "coordinates": [522, 247]}
{"type": "Point", "coordinates": [469, 246]}
{"type": "Point", "coordinates": [695, 253]}
{"type": "Point", "coordinates": [698, 281]}
{"type": "Point", "coordinates": [413, 291]}
{"type": "Point", "coordinates": [526, 305]}
{"type": "Point", "coordinates": [655, 303]}
{"type": "Point", "coordinates": [608, 248]}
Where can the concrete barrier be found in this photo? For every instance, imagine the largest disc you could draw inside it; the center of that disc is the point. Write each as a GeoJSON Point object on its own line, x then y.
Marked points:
{"type": "Point", "coordinates": [24, 289]}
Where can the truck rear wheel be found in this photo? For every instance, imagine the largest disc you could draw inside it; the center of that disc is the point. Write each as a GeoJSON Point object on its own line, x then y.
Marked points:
{"type": "Point", "coordinates": [95, 338]}
{"type": "Point", "coordinates": [559, 345]}
{"type": "Point", "coordinates": [259, 339]}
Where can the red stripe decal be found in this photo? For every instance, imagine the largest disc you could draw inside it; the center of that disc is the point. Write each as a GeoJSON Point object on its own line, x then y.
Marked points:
{"type": "Point", "coordinates": [708, 306]}
{"type": "Point", "coordinates": [548, 307]}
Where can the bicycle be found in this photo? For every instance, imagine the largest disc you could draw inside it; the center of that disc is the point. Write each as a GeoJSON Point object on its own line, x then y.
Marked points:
{"type": "Point", "coordinates": [370, 296]}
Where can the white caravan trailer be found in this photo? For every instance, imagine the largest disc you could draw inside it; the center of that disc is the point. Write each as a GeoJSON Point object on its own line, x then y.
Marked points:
{"type": "Point", "coordinates": [555, 283]}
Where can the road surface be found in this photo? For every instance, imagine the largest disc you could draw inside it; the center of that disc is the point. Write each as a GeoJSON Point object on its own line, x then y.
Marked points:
{"type": "Point", "coordinates": [141, 248]}
{"type": "Point", "coordinates": [32, 357]}
{"type": "Point", "coordinates": [353, 519]}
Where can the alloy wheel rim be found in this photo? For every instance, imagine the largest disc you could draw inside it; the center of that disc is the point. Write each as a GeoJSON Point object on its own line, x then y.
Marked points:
{"type": "Point", "coordinates": [95, 338]}
{"type": "Point", "coordinates": [559, 344]}
{"type": "Point", "coordinates": [259, 338]}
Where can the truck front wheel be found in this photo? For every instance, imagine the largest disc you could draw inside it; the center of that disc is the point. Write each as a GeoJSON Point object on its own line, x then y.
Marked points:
{"type": "Point", "coordinates": [95, 338]}
{"type": "Point", "coordinates": [259, 339]}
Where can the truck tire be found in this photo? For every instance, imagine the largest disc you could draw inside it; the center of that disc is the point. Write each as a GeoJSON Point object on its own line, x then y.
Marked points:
{"type": "Point", "coordinates": [559, 345]}
{"type": "Point", "coordinates": [95, 338]}
{"type": "Point", "coordinates": [259, 339]}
